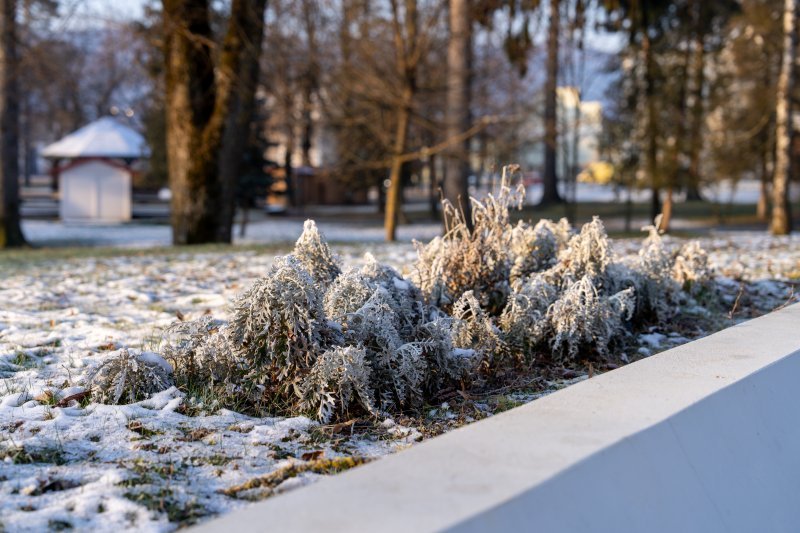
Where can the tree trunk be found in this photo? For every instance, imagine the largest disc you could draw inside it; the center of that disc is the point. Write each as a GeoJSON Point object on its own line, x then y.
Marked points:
{"type": "Point", "coordinates": [762, 207]}
{"type": "Point", "coordinates": [676, 149]}
{"type": "Point", "coordinates": [208, 108]}
{"type": "Point", "coordinates": [433, 186]}
{"type": "Point", "coordinates": [309, 82]}
{"type": "Point", "coordinates": [239, 64]}
{"type": "Point", "coordinates": [695, 137]}
{"type": "Point", "coordinates": [550, 193]}
{"type": "Point", "coordinates": [393, 197]}
{"type": "Point", "coordinates": [294, 195]}
{"type": "Point", "coordinates": [651, 152]}
{"type": "Point", "coordinates": [666, 211]}
{"type": "Point", "coordinates": [781, 217]}
{"type": "Point", "coordinates": [459, 52]}
{"type": "Point", "coordinates": [10, 231]}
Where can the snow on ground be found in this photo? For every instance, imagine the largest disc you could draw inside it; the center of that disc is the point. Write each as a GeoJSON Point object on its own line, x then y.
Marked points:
{"type": "Point", "coordinates": [68, 463]}
{"type": "Point", "coordinates": [273, 230]}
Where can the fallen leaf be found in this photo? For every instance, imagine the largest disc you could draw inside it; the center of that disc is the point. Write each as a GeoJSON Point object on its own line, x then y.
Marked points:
{"type": "Point", "coordinates": [310, 456]}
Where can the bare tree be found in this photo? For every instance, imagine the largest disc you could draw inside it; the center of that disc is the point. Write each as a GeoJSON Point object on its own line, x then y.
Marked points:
{"type": "Point", "coordinates": [10, 231]}
{"type": "Point", "coordinates": [781, 223]}
{"type": "Point", "coordinates": [459, 55]}
{"type": "Point", "coordinates": [408, 53]}
{"type": "Point", "coordinates": [550, 193]}
{"type": "Point", "coordinates": [209, 104]}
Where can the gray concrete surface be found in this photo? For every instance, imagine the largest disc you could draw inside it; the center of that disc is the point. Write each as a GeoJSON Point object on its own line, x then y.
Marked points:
{"type": "Point", "coordinates": [703, 437]}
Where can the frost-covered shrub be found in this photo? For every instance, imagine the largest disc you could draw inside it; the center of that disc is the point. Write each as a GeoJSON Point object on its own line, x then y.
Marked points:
{"type": "Point", "coordinates": [352, 289]}
{"type": "Point", "coordinates": [129, 377]}
{"type": "Point", "coordinates": [582, 318]}
{"type": "Point", "coordinates": [314, 254]}
{"type": "Point", "coordinates": [445, 362]}
{"type": "Point", "coordinates": [523, 321]}
{"type": "Point", "coordinates": [398, 368]}
{"type": "Point", "coordinates": [339, 378]}
{"type": "Point", "coordinates": [197, 350]}
{"type": "Point", "coordinates": [476, 260]}
{"type": "Point", "coordinates": [588, 253]}
{"type": "Point", "coordinates": [310, 339]}
{"type": "Point", "coordinates": [690, 268]}
{"type": "Point", "coordinates": [404, 297]}
{"type": "Point", "coordinates": [347, 294]}
{"type": "Point", "coordinates": [656, 290]}
{"type": "Point", "coordinates": [279, 324]}
{"type": "Point", "coordinates": [474, 330]}
{"type": "Point", "coordinates": [536, 248]}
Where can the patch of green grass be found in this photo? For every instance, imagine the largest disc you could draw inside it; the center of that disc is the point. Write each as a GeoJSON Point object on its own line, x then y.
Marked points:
{"type": "Point", "coordinates": [504, 403]}
{"type": "Point", "coordinates": [137, 427]}
{"type": "Point", "coordinates": [279, 452]}
{"type": "Point", "coordinates": [24, 257]}
{"type": "Point", "coordinates": [164, 501]}
{"type": "Point", "coordinates": [20, 455]}
{"type": "Point", "coordinates": [58, 525]}
{"type": "Point", "coordinates": [24, 360]}
{"type": "Point", "coordinates": [146, 469]}
{"type": "Point", "coordinates": [134, 482]}
{"type": "Point", "coordinates": [213, 460]}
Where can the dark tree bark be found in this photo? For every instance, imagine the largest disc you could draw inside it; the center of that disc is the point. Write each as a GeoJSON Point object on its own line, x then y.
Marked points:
{"type": "Point", "coordinates": [781, 222]}
{"type": "Point", "coordinates": [550, 193]}
{"type": "Point", "coordinates": [695, 137]}
{"type": "Point", "coordinates": [651, 150]}
{"type": "Point", "coordinates": [459, 52]}
{"type": "Point", "coordinates": [310, 82]}
{"type": "Point", "coordinates": [10, 231]}
{"type": "Point", "coordinates": [675, 151]}
{"type": "Point", "coordinates": [208, 112]}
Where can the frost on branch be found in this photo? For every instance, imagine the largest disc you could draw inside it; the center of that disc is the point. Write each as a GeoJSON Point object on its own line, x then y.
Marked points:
{"type": "Point", "coordinates": [315, 256]}
{"type": "Point", "coordinates": [523, 321]}
{"type": "Point", "coordinates": [690, 268]}
{"type": "Point", "coordinates": [588, 253]}
{"type": "Point", "coordinates": [279, 323]}
{"type": "Point", "coordinates": [339, 378]}
{"type": "Point", "coordinates": [582, 318]}
{"type": "Point", "coordinates": [129, 377]}
{"type": "Point", "coordinates": [477, 260]}
{"type": "Point", "coordinates": [398, 369]}
{"type": "Point", "coordinates": [198, 350]}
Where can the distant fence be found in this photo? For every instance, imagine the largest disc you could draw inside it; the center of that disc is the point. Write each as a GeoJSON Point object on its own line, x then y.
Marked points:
{"type": "Point", "coordinates": [703, 437]}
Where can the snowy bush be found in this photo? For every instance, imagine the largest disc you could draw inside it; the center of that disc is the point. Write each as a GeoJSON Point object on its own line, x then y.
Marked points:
{"type": "Point", "coordinates": [339, 377]}
{"type": "Point", "coordinates": [279, 324]}
{"type": "Point", "coordinates": [523, 321]}
{"type": "Point", "coordinates": [536, 248]}
{"type": "Point", "coordinates": [482, 305]}
{"type": "Point", "coordinates": [479, 260]}
{"type": "Point", "coordinates": [588, 253]}
{"type": "Point", "coordinates": [315, 256]}
{"type": "Point", "coordinates": [197, 351]}
{"type": "Point", "coordinates": [690, 268]}
{"type": "Point", "coordinates": [129, 377]}
{"type": "Point", "coordinates": [474, 330]}
{"type": "Point", "coordinates": [582, 318]}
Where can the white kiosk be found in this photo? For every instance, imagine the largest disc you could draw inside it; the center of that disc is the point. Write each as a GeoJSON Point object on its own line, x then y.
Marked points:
{"type": "Point", "coordinates": [93, 169]}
